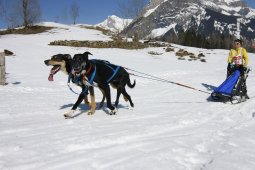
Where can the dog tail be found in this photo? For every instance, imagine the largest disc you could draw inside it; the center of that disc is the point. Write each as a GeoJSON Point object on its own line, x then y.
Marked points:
{"type": "Point", "coordinates": [129, 83]}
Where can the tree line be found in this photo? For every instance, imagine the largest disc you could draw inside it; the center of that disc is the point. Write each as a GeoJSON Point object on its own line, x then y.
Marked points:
{"type": "Point", "coordinates": [213, 41]}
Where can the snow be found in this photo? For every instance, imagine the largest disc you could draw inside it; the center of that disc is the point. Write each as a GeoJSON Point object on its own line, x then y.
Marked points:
{"type": "Point", "coordinates": [114, 23]}
{"type": "Point", "coordinates": [150, 10]}
{"type": "Point", "coordinates": [169, 127]}
{"type": "Point", "coordinates": [230, 1]}
{"type": "Point", "coordinates": [161, 31]}
{"type": "Point", "coordinates": [251, 14]}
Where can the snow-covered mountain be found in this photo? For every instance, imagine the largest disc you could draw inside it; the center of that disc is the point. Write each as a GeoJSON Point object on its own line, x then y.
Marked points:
{"type": "Point", "coordinates": [163, 18]}
{"type": "Point", "coordinates": [114, 23]}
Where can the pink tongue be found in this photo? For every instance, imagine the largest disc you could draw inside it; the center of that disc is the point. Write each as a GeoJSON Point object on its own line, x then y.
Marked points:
{"type": "Point", "coordinates": [50, 78]}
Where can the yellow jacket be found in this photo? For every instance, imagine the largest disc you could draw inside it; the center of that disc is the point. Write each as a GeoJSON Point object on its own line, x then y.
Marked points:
{"type": "Point", "coordinates": [240, 51]}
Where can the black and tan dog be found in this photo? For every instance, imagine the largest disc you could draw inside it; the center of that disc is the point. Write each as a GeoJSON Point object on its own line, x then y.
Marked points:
{"type": "Point", "coordinates": [63, 62]}
{"type": "Point", "coordinates": [100, 74]}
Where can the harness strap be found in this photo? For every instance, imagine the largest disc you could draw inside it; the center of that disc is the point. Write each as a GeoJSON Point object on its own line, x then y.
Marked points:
{"type": "Point", "coordinates": [109, 65]}
{"type": "Point", "coordinates": [114, 73]}
{"type": "Point", "coordinates": [69, 77]}
{"type": "Point", "coordinates": [92, 76]}
{"type": "Point", "coordinates": [85, 91]}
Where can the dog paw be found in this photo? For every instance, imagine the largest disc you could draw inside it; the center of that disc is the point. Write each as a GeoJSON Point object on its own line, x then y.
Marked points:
{"type": "Point", "coordinates": [91, 113]}
{"type": "Point", "coordinates": [113, 112]}
{"type": "Point", "coordinates": [69, 114]}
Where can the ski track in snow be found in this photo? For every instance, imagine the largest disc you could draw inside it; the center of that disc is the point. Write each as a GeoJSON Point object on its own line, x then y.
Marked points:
{"type": "Point", "coordinates": [170, 127]}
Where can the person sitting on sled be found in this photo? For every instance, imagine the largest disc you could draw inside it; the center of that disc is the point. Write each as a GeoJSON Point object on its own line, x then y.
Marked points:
{"type": "Point", "coordinates": [238, 60]}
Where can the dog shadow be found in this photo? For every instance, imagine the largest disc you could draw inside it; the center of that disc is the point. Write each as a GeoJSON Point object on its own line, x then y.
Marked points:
{"type": "Point", "coordinates": [209, 87]}
{"type": "Point", "coordinates": [120, 106]}
{"type": "Point", "coordinates": [81, 107]}
{"type": "Point", "coordinates": [84, 108]}
{"type": "Point", "coordinates": [16, 83]}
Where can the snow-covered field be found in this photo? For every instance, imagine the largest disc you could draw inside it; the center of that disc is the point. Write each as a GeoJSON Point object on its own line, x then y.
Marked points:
{"type": "Point", "coordinates": [170, 127]}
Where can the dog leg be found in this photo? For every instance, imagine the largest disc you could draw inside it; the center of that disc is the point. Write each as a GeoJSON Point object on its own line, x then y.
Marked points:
{"type": "Point", "coordinates": [119, 90]}
{"type": "Point", "coordinates": [93, 103]}
{"type": "Point", "coordinates": [125, 98]}
{"type": "Point", "coordinates": [77, 103]}
{"type": "Point", "coordinates": [103, 99]}
{"type": "Point", "coordinates": [124, 92]}
{"type": "Point", "coordinates": [108, 99]}
{"type": "Point", "coordinates": [86, 101]}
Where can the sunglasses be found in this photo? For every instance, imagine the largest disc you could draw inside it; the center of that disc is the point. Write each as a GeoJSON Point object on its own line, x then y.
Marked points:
{"type": "Point", "coordinates": [237, 43]}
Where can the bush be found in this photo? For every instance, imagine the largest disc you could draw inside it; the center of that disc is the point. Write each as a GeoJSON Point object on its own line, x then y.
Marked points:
{"type": "Point", "coordinates": [100, 44]}
{"type": "Point", "coordinates": [182, 53]}
{"type": "Point", "coordinates": [154, 53]}
{"type": "Point", "coordinates": [168, 49]}
{"type": "Point", "coordinates": [116, 43]}
{"type": "Point", "coordinates": [201, 55]}
{"type": "Point", "coordinates": [181, 58]}
{"type": "Point", "coordinates": [29, 30]}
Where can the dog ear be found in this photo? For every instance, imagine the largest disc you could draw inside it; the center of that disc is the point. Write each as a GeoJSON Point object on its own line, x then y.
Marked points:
{"type": "Point", "coordinates": [68, 56]}
{"type": "Point", "coordinates": [87, 53]}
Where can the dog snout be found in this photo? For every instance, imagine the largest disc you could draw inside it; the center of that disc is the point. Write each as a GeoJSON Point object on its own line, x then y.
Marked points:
{"type": "Point", "coordinates": [46, 62]}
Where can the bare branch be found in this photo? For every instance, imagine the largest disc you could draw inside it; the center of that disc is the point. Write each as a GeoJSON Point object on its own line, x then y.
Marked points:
{"type": "Point", "coordinates": [74, 11]}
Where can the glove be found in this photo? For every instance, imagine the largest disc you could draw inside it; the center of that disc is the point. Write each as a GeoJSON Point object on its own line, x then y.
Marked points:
{"type": "Point", "coordinates": [230, 66]}
{"type": "Point", "coordinates": [247, 68]}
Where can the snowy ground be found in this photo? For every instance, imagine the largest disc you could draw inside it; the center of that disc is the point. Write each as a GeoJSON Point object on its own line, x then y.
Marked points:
{"type": "Point", "coordinates": [170, 127]}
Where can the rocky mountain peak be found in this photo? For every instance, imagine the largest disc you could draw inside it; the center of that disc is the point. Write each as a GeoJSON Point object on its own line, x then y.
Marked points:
{"type": "Point", "coordinates": [163, 18]}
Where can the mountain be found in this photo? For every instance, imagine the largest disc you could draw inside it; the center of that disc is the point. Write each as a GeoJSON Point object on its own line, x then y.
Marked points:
{"type": "Point", "coordinates": [162, 19]}
{"type": "Point", "coordinates": [114, 23]}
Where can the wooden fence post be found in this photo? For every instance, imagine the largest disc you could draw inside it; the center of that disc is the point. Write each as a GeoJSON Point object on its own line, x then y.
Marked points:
{"type": "Point", "coordinates": [2, 69]}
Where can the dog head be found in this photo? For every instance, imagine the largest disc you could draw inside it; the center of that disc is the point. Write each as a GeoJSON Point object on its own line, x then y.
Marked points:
{"type": "Point", "coordinates": [59, 62]}
{"type": "Point", "coordinates": [80, 61]}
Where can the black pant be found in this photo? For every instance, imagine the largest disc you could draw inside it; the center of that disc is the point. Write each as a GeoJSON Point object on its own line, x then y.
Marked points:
{"type": "Point", "coordinates": [232, 68]}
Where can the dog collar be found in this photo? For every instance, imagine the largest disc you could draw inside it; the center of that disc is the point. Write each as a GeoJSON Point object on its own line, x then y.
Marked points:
{"type": "Point", "coordinates": [89, 70]}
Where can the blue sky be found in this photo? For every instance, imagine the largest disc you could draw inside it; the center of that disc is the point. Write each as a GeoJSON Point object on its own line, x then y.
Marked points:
{"type": "Point", "coordinates": [91, 11]}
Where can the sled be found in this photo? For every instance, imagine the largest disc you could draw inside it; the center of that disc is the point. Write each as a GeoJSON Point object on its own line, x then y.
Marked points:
{"type": "Point", "coordinates": [232, 89]}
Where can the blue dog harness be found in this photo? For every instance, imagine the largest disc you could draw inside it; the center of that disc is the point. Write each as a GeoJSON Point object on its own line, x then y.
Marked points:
{"type": "Point", "coordinates": [115, 71]}
{"type": "Point", "coordinates": [78, 79]}
{"type": "Point", "coordinates": [109, 65]}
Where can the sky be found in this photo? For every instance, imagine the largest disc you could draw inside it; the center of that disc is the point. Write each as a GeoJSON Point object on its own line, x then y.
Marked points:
{"type": "Point", "coordinates": [91, 11]}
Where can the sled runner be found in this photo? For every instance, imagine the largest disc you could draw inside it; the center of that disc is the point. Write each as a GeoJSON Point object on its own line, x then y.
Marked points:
{"type": "Point", "coordinates": [233, 89]}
